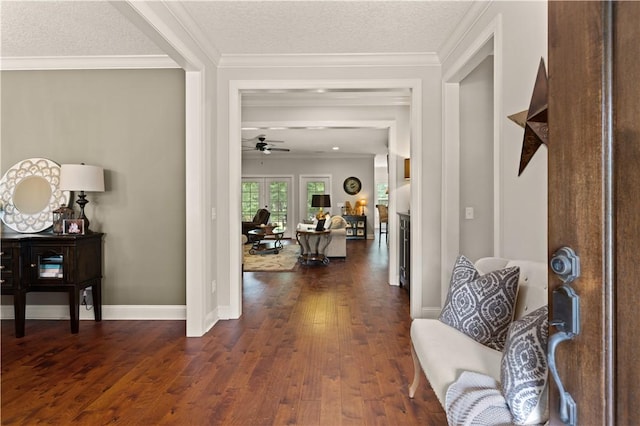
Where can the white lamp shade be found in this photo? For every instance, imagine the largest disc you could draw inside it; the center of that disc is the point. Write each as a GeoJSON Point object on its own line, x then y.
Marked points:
{"type": "Point", "coordinates": [81, 177]}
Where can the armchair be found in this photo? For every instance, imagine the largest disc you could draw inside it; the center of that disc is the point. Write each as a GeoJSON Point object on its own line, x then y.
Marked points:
{"type": "Point", "coordinates": [261, 218]}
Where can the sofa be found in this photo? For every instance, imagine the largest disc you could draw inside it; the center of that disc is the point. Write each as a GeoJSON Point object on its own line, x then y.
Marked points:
{"type": "Point", "coordinates": [446, 354]}
{"type": "Point", "coordinates": [337, 247]}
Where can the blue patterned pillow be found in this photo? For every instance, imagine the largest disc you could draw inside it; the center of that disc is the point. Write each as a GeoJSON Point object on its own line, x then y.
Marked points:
{"type": "Point", "coordinates": [524, 369]}
{"type": "Point", "coordinates": [481, 307]}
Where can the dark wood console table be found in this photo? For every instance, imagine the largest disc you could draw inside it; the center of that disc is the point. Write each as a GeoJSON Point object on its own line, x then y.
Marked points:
{"type": "Point", "coordinates": [404, 255]}
{"type": "Point", "coordinates": [47, 262]}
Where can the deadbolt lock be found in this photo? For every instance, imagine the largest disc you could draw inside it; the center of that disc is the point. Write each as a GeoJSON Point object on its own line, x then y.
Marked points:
{"type": "Point", "coordinates": [565, 263]}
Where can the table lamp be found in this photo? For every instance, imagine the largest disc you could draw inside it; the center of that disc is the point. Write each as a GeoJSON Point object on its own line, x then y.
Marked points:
{"type": "Point", "coordinates": [322, 200]}
{"type": "Point", "coordinates": [361, 203]}
{"type": "Point", "coordinates": [81, 177]}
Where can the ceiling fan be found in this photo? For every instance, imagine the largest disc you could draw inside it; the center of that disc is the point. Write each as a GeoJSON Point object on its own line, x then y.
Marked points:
{"type": "Point", "coordinates": [262, 144]}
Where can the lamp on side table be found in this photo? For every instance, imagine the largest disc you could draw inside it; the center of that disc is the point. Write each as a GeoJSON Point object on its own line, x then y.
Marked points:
{"type": "Point", "coordinates": [82, 177]}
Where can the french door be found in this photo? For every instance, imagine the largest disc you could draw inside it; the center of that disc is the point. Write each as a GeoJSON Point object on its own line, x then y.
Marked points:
{"type": "Point", "coordinates": [271, 192]}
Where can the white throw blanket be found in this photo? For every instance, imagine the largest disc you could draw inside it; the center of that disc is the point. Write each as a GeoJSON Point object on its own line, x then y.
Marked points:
{"type": "Point", "coordinates": [476, 399]}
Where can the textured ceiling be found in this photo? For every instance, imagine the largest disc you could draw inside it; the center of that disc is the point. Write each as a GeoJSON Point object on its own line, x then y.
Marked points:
{"type": "Point", "coordinates": [290, 27]}
{"type": "Point", "coordinates": [68, 28]}
{"type": "Point", "coordinates": [81, 28]}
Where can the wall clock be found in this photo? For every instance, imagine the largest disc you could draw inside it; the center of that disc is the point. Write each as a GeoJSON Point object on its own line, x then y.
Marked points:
{"type": "Point", "coordinates": [352, 185]}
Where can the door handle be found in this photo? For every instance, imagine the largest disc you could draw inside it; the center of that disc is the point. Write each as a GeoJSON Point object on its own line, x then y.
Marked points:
{"type": "Point", "coordinates": [566, 319]}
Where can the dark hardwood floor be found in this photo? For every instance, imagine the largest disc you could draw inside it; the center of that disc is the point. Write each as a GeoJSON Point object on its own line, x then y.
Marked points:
{"type": "Point", "coordinates": [325, 345]}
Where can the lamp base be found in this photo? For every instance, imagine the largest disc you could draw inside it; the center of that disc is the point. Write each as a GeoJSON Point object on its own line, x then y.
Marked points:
{"type": "Point", "coordinates": [82, 201]}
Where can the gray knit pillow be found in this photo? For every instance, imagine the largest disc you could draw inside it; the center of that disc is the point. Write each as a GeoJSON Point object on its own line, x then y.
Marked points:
{"type": "Point", "coordinates": [481, 307]}
{"type": "Point", "coordinates": [524, 369]}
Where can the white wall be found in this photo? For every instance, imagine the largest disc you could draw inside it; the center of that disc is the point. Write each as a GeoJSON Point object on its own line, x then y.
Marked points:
{"type": "Point", "coordinates": [516, 34]}
{"type": "Point", "coordinates": [476, 161]}
{"type": "Point", "coordinates": [520, 43]}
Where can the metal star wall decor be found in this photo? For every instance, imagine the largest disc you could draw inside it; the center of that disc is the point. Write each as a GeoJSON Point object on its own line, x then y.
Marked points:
{"type": "Point", "coordinates": [534, 120]}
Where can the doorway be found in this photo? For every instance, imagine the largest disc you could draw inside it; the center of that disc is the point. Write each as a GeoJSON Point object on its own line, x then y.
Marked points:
{"type": "Point", "coordinates": [237, 87]}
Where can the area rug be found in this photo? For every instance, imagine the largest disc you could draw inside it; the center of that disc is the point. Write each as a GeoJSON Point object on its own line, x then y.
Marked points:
{"type": "Point", "coordinates": [286, 260]}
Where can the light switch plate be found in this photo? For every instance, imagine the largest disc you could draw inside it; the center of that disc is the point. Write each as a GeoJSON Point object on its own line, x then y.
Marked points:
{"type": "Point", "coordinates": [468, 212]}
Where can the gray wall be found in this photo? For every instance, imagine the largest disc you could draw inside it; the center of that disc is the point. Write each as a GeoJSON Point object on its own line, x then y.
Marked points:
{"type": "Point", "coordinates": [132, 123]}
{"type": "Point", "coordinates": [476, 161]}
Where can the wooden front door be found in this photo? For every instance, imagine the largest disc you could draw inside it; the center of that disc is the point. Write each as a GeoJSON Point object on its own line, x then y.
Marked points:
{"type": "Point", "coordinates": [594, 201]}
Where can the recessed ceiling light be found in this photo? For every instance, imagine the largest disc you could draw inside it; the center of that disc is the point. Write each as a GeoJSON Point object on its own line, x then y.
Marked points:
{"type": "Point", "coordinates": [335, 148]}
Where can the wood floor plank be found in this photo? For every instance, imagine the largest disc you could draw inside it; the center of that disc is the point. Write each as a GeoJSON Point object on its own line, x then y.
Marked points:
{"type": "Point", "coordinates": [324, 345]}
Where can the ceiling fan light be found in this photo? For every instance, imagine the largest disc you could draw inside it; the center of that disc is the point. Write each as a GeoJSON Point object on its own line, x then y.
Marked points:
{"type": "Point", "coordinates": [266, 151]}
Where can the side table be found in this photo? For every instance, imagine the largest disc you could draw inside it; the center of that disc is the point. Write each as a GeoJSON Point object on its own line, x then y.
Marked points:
{"type": "Point", "coordinates": [313, 245]}
{"type": "Point", "coordinates": [47, 262]}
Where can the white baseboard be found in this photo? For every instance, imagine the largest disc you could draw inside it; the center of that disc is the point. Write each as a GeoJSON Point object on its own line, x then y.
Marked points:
{"type": "Point", "coordinates": [224, 313]}
{"type": "Point", "coordinates": [109, 312]}
{"type": "Point", "coordinates": [432, 313]}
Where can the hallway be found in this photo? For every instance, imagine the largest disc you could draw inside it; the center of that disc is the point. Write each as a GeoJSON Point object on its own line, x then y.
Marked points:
{"type": "Point", "coordinates": [325, 345]}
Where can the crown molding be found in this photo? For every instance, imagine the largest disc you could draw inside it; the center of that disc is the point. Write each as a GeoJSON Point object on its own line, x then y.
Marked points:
{"type": "Point", "coordinates": [32, 63]}
{"type": "Point", "coordinates": [329, 60]}
{"type": "Point", "coordinates": [476, 10]}
{"type": "Point", "coordinates": [24, 63]}
{"type": "Point", "coordinates": [254, 155]}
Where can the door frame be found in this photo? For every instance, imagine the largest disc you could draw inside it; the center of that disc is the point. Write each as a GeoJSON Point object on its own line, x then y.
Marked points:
{"type": "Point", "coordinates": [489, 42]}
{"type": "Point", "coordinates": [236, 87]}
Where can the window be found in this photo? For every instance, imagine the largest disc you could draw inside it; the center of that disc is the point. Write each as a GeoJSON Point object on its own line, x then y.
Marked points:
{"type": "Point", "coordinates": [250, 200]}
{"type": "Point", "coordinates": [313, 188]}
{"type": "Point", "coordinates": [382, 193]}
{"type": "Point", "coordinates": [278, 196]}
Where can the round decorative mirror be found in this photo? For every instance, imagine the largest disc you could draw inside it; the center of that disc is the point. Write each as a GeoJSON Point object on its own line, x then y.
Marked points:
{"type": "Point", "coordinates": [29, 192]}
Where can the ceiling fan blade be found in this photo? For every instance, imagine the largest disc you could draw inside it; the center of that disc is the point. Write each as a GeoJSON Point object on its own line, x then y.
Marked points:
{"type": "Point", "coordinates": [272, 141]}
{"type": "Point", "coordinates": [279, 149]}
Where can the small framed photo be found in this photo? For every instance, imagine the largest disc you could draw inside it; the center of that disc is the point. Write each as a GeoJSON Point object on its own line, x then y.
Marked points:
{"type": "Point", "coordinates": [361, 224]}
{"type": "Point", "coordinates": [360, 232]}
{"type": "Point", "coordinates": [349, 231]}
{"type": "Point", "coordinates": [73, 226]}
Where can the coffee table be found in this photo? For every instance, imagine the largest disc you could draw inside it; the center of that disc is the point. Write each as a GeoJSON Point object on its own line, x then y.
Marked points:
{"type": "Point", "coordinates": [317, 252]}
{"type": "Point", "coordinates": [266, 240]}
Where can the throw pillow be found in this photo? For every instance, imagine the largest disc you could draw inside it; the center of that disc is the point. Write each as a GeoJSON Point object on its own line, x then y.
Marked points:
{"type": "Point", "coordinates": [481, 307]}
{"type": "Point", "coordinates": [524, 368]}
{"type": "Point", "coordinates": [337, 222]}
{"type": "Point", "coordinates": [475, 399]}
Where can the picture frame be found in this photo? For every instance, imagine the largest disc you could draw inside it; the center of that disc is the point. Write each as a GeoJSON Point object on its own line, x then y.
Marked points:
{"type": "Point", "coordinates": [73, 226]}
{"type": "Point", "coordinates": [361, 224]}
{"type": "Point", "coordinates": [349, 231]}
{"type": "Point", "coordinates": [360, 232]}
